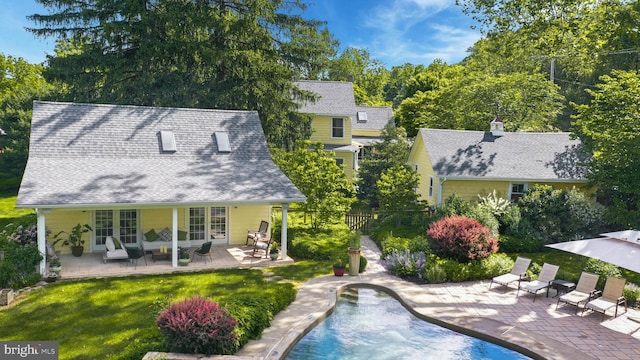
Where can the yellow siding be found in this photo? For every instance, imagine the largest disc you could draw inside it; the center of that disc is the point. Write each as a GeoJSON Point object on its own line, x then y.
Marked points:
{"type": "Point", "coordinates": [469, 189]}
{"type": "Point", "coordinates": [348, 164]}
{"type": "Point", "coordinates": [159, 219]}
{"type": "Point", "coordinates": [64, 220]}
{"type": "Point", "coordinates": [321, 126]}
{"type": "Point", "coordinates": [370, 133]}
{"type": "Point", "coordinates": [245, 218]}
{"type": "Point", "coordinates": [418, 156]}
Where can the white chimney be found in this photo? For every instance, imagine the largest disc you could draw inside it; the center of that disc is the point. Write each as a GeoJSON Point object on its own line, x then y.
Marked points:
{"type": "Point", "coordinates": [497, 127]}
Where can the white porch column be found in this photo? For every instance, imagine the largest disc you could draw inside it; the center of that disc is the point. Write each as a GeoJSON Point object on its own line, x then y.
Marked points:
{"type": "Point", "coordinates": [42, 240]}
{"type": "Point", "coordinates": [283, 233]}
{"type": "Point", "coordinates": [174, 238]}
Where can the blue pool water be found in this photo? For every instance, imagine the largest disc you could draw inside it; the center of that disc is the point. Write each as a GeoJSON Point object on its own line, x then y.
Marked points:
{"type": "Point", "coordinates": [370, 324]}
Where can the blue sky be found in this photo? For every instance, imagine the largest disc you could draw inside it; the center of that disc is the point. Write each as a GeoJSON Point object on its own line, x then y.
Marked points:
{"type": "Point", "coordinates": [394, 31]}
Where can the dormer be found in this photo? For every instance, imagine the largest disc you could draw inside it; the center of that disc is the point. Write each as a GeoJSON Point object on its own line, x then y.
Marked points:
{"type": "Point", "coordinates": [497, 127]}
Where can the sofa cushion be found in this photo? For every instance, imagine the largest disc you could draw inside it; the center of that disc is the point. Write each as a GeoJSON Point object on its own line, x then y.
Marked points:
{"type": "Point", "coordinates": [151, 235]}
{"type": "Point", "coordinates": [116, 243]}
{"type": "Point", "coordinates": [165, 235]}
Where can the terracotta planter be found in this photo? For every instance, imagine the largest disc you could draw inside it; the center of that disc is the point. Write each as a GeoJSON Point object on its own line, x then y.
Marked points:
{"type": "Point", "coordinates": [338, 270]}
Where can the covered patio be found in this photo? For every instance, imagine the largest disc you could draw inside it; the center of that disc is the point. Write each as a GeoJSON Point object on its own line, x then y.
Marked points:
{"type": "Point", "coordinates": [222, 257]}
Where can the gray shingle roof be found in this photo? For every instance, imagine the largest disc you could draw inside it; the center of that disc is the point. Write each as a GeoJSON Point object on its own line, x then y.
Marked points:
{"type": "Point", "coordinates": [377, 118]}
{"type": "Point", "coordinates": [335, 98]}
{"type": "Point", "coordinates": [516, 155]}
{"type": "Point", "coordinates": [101, 155]}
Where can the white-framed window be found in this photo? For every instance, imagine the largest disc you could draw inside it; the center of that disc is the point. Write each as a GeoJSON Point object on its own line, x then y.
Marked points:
{"type": "Point", "coordinates": [517, 190]}
{"type": "Point", "coordinates": [431, 186]}
{"type": "Point", "coordinates": [208, 223]}
{"type": "Point", "coordinates": [337, 127]}
{"type": "Point", "coordinates": [123, 224]}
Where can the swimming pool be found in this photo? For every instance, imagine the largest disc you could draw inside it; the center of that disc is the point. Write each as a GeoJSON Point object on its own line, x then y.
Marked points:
{"type": "Point", "coordinates": [371, 324]}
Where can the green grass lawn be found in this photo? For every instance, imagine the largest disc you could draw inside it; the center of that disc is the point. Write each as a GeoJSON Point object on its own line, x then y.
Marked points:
{"type": "Point", "coordinates": [98, 318]}
{"type": "Point", "coordinates": [8, 211]}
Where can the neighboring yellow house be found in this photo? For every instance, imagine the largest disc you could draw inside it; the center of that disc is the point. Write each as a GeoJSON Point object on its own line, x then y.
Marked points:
{"type": "Point", "coordinates": [340, 125]}
{"type": "Point", "coordinates": [472, 163]}
{"type": "Point", "coordinates": [206, 175]}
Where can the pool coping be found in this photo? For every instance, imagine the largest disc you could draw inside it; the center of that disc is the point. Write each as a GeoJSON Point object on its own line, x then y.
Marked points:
{"type": "Point", "coordinates": [317, 299]}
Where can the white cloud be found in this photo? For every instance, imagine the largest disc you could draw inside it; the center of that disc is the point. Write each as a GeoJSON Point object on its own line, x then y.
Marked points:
{"type": "Point", "coordinates": [417, 31]}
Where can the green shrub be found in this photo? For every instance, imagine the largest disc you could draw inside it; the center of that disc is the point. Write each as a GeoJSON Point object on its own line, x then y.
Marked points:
{"type": "Point", "coordinates": [456, 272]}
{"type": "Point", "coordinates": [434, 274]}
{"type": "Point", "coordinates": [603, 269]}
{"type": "Point", "coordinates": [519, 244]}
{"type": "Point", "coordinates": [198, 326]}
{"type": "Point", "coordinates": [460, 238]}
{"type": "Point", "coordinates": [392, 244]}
{"type": "Point", "coordinates": [405, 264]}
{"type": "Point", "coordinates": [631, 293]}
{"type": "Point", "coordinates": [494, 265]}
{"type": "Point", "coordinates": [18, 270]}
{"type": "Point", "coordinates": [308, 244]}
{"type": "Point", "coordinates": [363, 263]}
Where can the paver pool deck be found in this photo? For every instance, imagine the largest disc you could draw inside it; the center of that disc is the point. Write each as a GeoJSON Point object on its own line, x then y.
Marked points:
{"type": "Point", "coordinates": [535, 328]}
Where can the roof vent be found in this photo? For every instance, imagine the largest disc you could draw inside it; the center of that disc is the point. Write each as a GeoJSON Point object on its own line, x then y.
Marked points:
{"type": "Point", "coordinates": [497, 127]}
{"type": "Point", "coordinates": [222, 139]}
{"type": "Point", "coordinates": [362, 116]}
{"type": "Point", "coordinates": [168, 141]}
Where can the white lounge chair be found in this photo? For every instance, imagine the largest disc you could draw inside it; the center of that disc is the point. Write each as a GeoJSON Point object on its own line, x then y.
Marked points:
{"type": "Point", "coordinates": [113, 253]}
{"type": "Point", "coordinates": [585, 290]}
{"type": "Point", "coordinates": [547, 275]}
{"type": "Point", "coordinates": [518, 273]}
{"type": "Point", "coordinates": [611, 297]}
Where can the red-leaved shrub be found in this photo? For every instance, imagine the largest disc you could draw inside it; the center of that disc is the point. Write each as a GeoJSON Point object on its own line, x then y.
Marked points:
{"type": "Point", "coordinates": [461, 239]}
{"type": "Point", "coordinates": [198, 326]}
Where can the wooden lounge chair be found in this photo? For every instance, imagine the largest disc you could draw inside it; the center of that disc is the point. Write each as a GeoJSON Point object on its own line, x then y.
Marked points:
{"type": "Point", "coordinates": [260, 234]}
{"type": "Point", "coordinates": [518, 273]}
{"type": "Point", "coordinates": [585, 290]}
{"type": "Point", "coordinates": [547, 275]}
{"type": "Point", "coordinates": [611, 297]}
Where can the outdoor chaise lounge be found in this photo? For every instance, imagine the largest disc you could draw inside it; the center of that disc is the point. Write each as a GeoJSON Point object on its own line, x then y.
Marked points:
{"type": "Point", "coordinates": [611, 297]}
{"type": "Point", "coordinates": [114, 252]}
{"type": "Point", "coordinates": [518, 273]}
{"type": "Point", "coordinates": [547, 275]}
{"type": "Point", "coordinates": [584, 291]}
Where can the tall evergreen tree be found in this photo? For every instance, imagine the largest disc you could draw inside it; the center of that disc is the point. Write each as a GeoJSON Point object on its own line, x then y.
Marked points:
{"type": "Point", "coordinates": [228, 54]}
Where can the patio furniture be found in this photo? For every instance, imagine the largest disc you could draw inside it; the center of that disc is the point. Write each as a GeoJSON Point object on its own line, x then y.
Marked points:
{"type": "Point", "coordinates": [547, 275]}
{"type": "Point", "coordinates": [611, 297]}
{"type": "Point", "coordinates": [113, 252]}
{"type": "Point", "coordinates": [204, 251]}
{"type": "Point", "coordinates": [160, 255]}
{"type": "Point", "coordinates": [135, 254]}
{"type": "Point", "coordinates": [262, 245]}
{"type": "Point", "coordinates": [584, 291]}
{"type": "Point", "coordinates": [255, 235]}
{"type": "Point", "coordinates": [561, 287]}
{"type": "Point", "coordinates": [518, 273]}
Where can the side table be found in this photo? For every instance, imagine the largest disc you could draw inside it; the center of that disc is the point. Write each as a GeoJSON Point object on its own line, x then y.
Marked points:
{"type": "Point", "coordinates": [561, 287]}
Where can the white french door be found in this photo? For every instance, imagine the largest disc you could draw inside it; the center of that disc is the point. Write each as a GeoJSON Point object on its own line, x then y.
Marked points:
{"type": "Point", "coordinates": [122, 224]}
{"type": "Point", "coordinates": [209, 224]}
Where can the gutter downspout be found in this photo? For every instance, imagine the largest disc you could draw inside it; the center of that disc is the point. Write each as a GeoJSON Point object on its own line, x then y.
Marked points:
{"type": "Point", "coordinates": [441, 180]}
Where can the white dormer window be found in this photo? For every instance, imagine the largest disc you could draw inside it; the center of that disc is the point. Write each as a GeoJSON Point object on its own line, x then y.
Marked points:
{"type": "Point", "coordinates": [168, 141]}
{"type": "Point", "coordinates": [362, 116]}
{"type": "Point", "coordinates": [222, 139]}
{"type": "Point", "coordinates": [337, 127]}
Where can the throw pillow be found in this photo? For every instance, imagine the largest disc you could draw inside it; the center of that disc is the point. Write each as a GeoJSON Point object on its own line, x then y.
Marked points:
{"type": "Point", "coordinates": [182, 235]}
{"type": "Point", "coordinates": [109, 244]}
{"type": "Point", "coordinates": [116, 243]}
{"type": "Point", "coordinates": [151, 235]}
{"type": "Point", "coordinates": [165, 235]}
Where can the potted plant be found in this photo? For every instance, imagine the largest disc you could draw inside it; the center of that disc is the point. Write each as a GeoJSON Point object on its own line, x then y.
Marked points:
{"type": "Point", "coordinates": [273, 252]}
{"type": "Point", "coordinates": [354, 243]}
{"type": "Point", "coordinates": [73, 238]}
{"type": "Point", "coordinates": [183, 258]}
{"type": "Point", "coordinates": [55, 266]}
{"type": "Point", "coordinates": [339, 266]}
